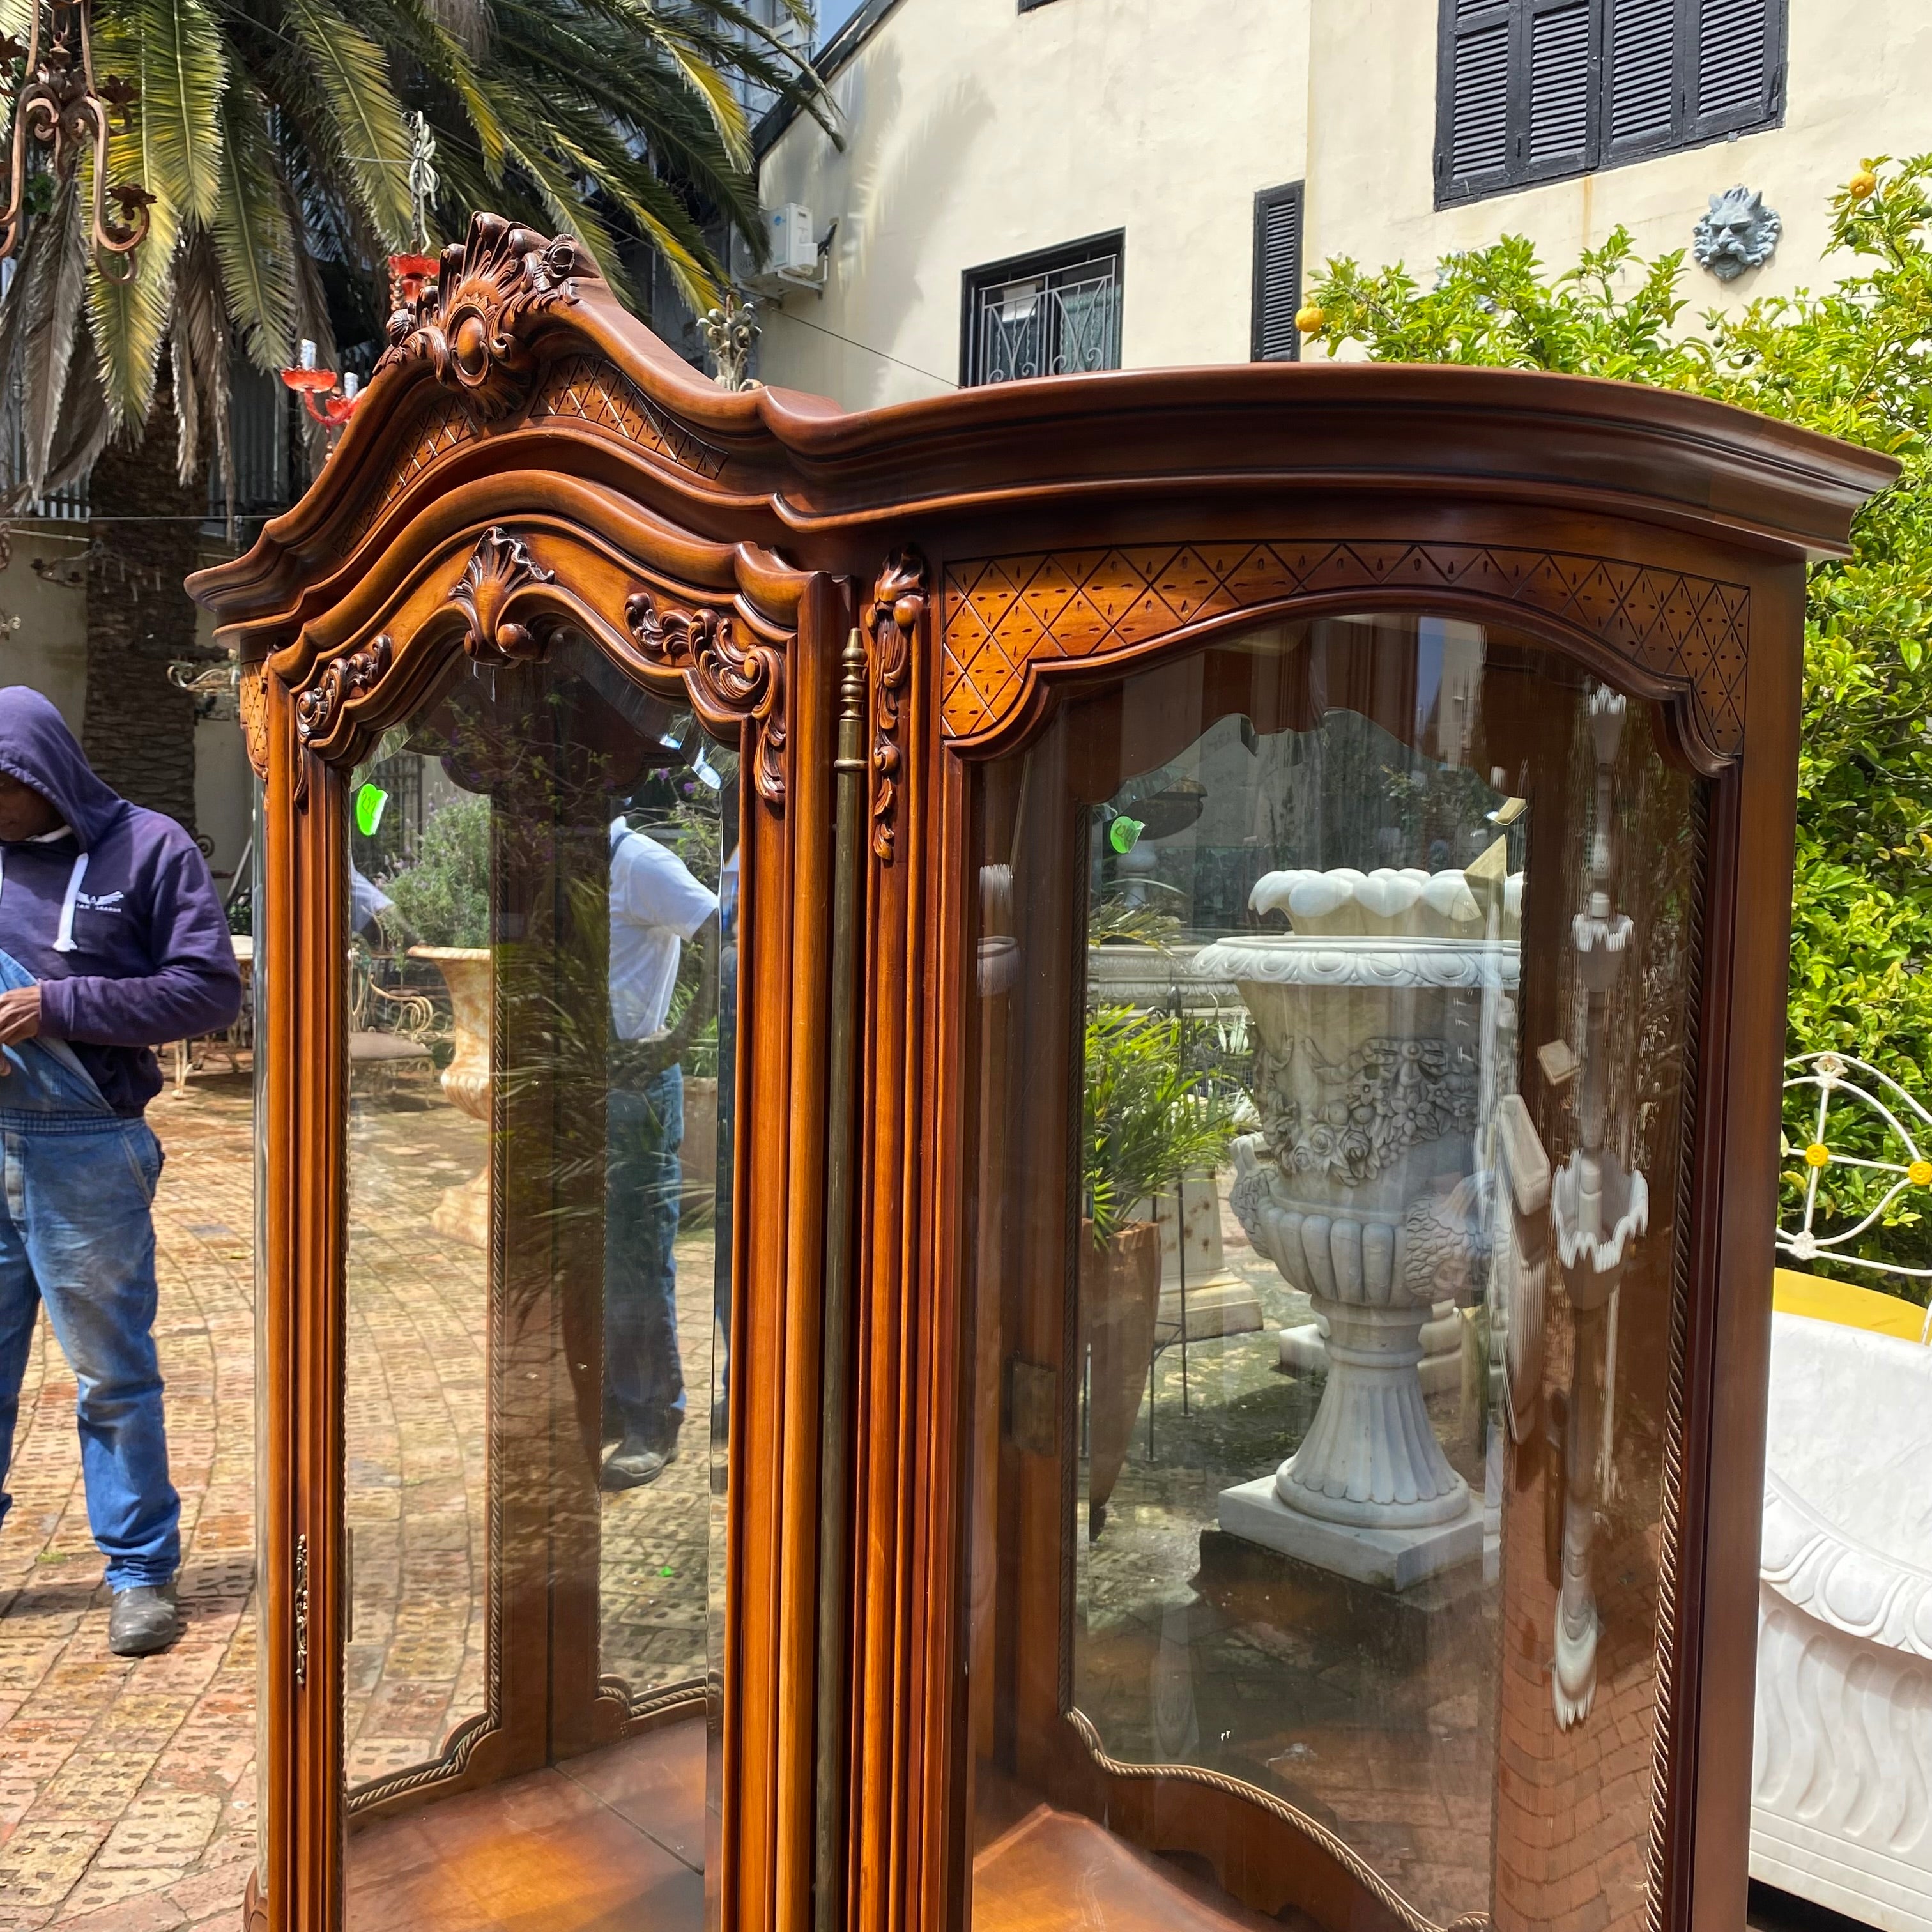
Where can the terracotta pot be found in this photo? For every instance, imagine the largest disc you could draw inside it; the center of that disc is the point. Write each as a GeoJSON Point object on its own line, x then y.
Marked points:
{"type": "Point", "coordinates": [1120, 1300]}
{"type": "Point", "coordinates": [463, 1214]}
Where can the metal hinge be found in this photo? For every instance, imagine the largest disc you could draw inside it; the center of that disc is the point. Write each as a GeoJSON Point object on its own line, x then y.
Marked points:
{"type": "Point", "coordinates": [301, 1609]}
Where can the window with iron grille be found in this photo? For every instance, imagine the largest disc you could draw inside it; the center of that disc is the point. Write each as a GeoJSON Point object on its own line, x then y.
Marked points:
{"type": "Point", "coordinates": [1277, 274]}
{"type": "Point", "coordinates": [1533, 90]}
{"type": "Point", "coordinates": [1056, 313]}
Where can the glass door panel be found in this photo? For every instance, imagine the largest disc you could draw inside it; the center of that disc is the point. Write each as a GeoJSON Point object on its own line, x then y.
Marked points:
{"type": "Point", "coordinates": [1333, 1003]}
{"type": "Point", "coordinates": [541, 886]}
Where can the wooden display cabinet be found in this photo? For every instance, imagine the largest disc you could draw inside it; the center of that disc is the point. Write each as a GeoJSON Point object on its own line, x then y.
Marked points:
{"type": "Point", "coordinates": [1383, 775]}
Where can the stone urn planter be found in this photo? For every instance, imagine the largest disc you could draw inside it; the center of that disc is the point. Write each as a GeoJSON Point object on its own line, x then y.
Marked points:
{"type": "Point", "coordinates": [1375, 1018]}
{"type": "Point", "coordinates": [463, 1214]}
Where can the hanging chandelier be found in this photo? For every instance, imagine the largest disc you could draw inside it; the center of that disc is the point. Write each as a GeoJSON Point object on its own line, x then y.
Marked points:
{"type": "Point", "coordinates": [58, 104]}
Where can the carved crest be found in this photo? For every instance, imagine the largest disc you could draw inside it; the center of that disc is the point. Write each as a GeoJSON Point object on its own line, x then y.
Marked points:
{"type": "Point", "coordinates": [474, 325]}
{"type": "Point", "coordinates": [498, 568]}
{"type": "Point", "coordinates": [729, 683]}
{"type": "Point", "coordinates": [898, 605]}
{"type": "Point", "coordinates": [342, 680]}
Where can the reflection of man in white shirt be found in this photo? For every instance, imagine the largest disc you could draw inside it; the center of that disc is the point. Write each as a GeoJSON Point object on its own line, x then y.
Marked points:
{"type": "Point", "coordinates": [656, 907]}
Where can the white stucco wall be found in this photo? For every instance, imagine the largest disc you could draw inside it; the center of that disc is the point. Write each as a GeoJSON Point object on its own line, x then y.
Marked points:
{"type": "Point", "coordinates": [975, 133]}
{"type": "Point", "coordinates": [1858, 83]}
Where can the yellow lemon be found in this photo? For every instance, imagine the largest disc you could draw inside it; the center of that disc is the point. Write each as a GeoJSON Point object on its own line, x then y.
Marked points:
{"type": "Point", "coordinates": [1817, 1154]}
{"type": "Point", "coordinates": [1310, 320]}
{"type": "Point", "coordinates": [1862, 183]}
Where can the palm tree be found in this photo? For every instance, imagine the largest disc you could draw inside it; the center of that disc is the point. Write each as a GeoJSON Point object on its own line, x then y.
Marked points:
{"type": "Point", "coordinates": [283, 143]}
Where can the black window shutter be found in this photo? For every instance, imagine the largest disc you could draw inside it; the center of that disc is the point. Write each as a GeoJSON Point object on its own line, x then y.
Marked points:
{"type": "Point", "coordinates": [1555, 108]}
{"type": "Point", "coordinates": [1277, 274]}
{"type": "Point", "coordinates": [1472, 98]}
{"type": "Point", "coordinates": [1736, 75]}
{"type": "Point", "coordinates": [1643, 55]}
{"type": "Point", "coordinates": [1538, 90]}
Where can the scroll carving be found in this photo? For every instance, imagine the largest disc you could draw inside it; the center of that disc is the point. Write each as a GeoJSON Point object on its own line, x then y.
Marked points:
{"type": "Point", "coordinates": [473, 327]}
{"type": "Point", "coordinates": [342, 680]}
{"type": "Point", "coordinates": [728, 682]}
{"type": "Point", "coordinates": [1000, 615]}
{"type": "Point", "coordinates": [500, 567]}
{"type": "Point", "coordinates": [898, 605]}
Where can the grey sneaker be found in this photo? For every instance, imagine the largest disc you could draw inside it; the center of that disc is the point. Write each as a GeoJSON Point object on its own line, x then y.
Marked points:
{"type": "Point", "coordinates": [144, 1620]}
{"type": "Point", "coordinates": [630, 1465]}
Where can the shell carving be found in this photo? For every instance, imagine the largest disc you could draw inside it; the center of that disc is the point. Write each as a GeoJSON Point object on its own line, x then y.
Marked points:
{"type": "Point", "coordinates": [500, 567]}
{"type": "Point", "coordinates": [492, 292]}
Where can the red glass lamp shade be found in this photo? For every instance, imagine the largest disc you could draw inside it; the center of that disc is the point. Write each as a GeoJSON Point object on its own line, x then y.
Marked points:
{"type": "Point", "coordinates": [315, 385]}
{"type": "Point", "coordinates": [407, 275]}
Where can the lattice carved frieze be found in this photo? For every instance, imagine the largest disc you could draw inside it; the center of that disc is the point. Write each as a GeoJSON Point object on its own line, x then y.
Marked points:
{"type": "Point", "coordinates": [1002, 617]}
{"type": "Point", "coordinates": [251, 704]}
{"type": "Point", "coordinates": [445, 425]}
{"type": "Point", "coordinates": [591, 390]}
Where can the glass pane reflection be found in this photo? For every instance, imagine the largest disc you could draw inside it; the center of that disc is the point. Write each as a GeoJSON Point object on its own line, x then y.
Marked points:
{"type": "Point", "coordinates": [539, 1289]}
{"type": "Point", "coordinates": [1322, 1355]}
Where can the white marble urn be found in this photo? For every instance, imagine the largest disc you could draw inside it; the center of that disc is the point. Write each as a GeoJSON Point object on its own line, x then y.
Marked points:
{"type": "Point", "coordinates": [1362, 1187]}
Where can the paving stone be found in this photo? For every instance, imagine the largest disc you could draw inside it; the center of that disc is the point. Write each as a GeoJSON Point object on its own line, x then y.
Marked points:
{"type": "Point", "coordinates": [44, 1858]}
{"type": "Point", "coordinates": [163, 1828]}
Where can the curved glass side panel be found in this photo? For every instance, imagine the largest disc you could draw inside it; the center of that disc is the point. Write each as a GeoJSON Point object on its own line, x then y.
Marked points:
{"type": "Point", "coordinates": [1335, 988]}
{"type": "Point", "coordinates": [542, 884]}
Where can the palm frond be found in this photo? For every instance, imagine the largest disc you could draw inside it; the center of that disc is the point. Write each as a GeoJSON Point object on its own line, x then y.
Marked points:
{"type": "Point", "coordinates": [38, 319]}
{"type": "Point", "coordinates": [50, 340]}
{"type": "Point", "coordinates": [83, 430]}
{"type": "Point", "coordinates": [368, 119]}
{"type": "Point", "coordinates": [253, 236]}
{"type": "Point", "coordinates": [129, 319]}
{"type": "Point", "coordinates": [201, 352]}
{"type": "Point", "coordinates": [174, 50]}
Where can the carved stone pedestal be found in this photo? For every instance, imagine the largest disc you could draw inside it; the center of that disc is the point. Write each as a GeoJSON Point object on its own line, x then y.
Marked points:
{"type": "Point", "coordinates": [1389, 1559]}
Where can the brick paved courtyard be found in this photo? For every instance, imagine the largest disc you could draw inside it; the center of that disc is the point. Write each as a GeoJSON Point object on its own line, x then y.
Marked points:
{"type": "Point", "coordinates": [126, 1787]}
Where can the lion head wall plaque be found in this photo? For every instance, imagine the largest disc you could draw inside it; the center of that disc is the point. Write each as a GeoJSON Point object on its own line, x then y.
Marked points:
{"type": "Point", "coordinates": [1738, 233]}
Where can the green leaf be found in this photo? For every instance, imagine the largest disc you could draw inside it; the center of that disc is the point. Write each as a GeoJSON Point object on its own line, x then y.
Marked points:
{"type": "Point", "coordinates": [252, 239]}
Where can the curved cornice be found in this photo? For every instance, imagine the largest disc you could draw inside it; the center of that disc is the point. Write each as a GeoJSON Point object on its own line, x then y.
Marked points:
{"type": "Point", "coordinates": [570, 384]}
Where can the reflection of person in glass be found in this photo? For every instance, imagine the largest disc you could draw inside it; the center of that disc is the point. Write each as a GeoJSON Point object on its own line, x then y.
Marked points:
{"type": "Point", "coordinates": [656, 905]}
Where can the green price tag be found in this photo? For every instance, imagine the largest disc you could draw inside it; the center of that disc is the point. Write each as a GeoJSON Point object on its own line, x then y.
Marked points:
{"type": "Point", "coordinates": [369, 801]}
{"type": "Point", "coordinates": [1124, 834]}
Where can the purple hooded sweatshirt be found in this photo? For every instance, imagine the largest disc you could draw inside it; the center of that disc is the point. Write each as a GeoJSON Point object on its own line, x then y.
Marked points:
{"type": "Point", "coordinates": [117, 917]}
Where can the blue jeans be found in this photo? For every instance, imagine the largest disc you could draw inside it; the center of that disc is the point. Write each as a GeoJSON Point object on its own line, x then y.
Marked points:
{"type": "Point", "coordinates": [76, 1234]}
{"type": "Point", "coordinates": [643, 1379]}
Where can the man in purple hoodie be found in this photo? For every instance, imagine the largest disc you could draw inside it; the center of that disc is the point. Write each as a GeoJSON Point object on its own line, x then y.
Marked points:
{"type": "Point", "coordinates": [111, 943]}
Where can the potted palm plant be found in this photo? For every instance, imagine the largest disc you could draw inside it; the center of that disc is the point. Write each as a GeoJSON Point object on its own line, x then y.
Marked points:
{"type": "Point", "coordinates": [1147, 1122]}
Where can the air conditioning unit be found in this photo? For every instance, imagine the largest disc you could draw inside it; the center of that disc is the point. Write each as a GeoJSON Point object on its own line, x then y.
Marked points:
{"type": "Point", "coordinates": [797, 260]}
{"type": "Point", "coordinates": [794, 246]}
